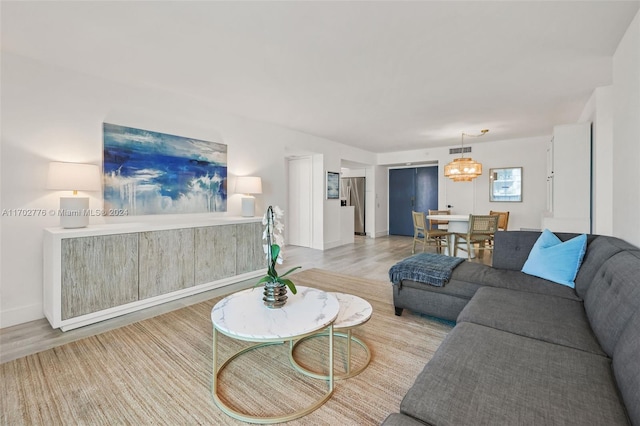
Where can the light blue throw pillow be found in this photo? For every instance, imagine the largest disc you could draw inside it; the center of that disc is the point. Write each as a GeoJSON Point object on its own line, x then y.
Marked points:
{"type": "Point", "coordinates": [554, 260]}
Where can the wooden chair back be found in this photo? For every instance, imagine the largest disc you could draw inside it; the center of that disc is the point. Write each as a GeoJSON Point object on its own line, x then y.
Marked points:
{"type": "Point", "coordinates": [419, 220]}
{"type": "Point", "coordinates": [503, 220]}
{"type": "Point", "coordinates": [483, 224]}
{"type": "Point", "coordinates": [434, 224]}
{"type": "Point", "coordinates": [419, 223]}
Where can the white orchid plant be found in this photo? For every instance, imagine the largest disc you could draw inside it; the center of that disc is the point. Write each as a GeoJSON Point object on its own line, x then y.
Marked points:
{"type": "Point", "coordinates": [273, 228]}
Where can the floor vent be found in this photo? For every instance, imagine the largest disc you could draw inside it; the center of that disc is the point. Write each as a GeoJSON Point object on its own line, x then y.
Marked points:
{"type": "Point", "coordinates": [459, 150]}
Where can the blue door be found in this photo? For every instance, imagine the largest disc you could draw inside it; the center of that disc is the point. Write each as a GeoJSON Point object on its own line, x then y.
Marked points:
{"type": "Point", "coordinates": [402, 199]}
{"type": "Point", "coordinates": [426, 189]}
{"type": "Point", "coordinates": [410, 189]}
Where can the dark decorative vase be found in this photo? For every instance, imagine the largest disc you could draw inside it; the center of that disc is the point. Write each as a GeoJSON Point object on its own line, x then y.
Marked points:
{"type": "Point", "coordinates": [275, 295]}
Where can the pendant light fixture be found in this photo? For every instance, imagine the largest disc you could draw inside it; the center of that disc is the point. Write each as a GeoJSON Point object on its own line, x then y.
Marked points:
{"type": "Point", "coordinates": [464, 169]}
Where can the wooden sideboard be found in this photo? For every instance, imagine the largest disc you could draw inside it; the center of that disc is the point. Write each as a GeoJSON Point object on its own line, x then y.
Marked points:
{"type": "Point", "coordinates": [103, 271]}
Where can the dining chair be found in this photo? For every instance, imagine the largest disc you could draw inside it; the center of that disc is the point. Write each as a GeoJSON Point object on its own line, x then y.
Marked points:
{"type": "Point", "coordinates": [481, 230]}
{"type": "Point", "coordinates": [503, 221]}
{"type": "Point", "coordinates": [425, 235]}
{"type": "Point", "coordinates": [438, 224]}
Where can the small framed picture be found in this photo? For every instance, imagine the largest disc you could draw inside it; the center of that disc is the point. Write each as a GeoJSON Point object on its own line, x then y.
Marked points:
{"type": "Point", "coordinates": [333, 185]}
{"type": "Point", "coordinates": [505, 185]}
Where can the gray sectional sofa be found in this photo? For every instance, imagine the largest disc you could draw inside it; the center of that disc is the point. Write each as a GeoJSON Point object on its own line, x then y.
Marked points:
{"type": "Point", "coordinates": [526, 351]}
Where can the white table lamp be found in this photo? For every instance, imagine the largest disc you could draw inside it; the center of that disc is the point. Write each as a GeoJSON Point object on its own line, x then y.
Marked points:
{"type": "Point", "coordinates": [248, 185]}
{"type": "Point", "coordinates": [74, 211]}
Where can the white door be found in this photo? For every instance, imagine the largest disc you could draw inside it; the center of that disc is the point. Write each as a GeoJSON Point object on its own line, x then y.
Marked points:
{"type": "Point", "coordinates": [300, 190]}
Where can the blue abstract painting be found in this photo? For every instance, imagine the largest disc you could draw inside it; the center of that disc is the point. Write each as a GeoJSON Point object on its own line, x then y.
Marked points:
{"type": "Point", "coordinates": [148, 172]}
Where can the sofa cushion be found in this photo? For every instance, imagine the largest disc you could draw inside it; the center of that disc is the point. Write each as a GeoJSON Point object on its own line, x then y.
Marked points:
{"type": "Point", "coordinates": [613, 297]}
{"type": "Point", "coordinates": [481, 375]}
{"type": "Point", "coordinates": [511, 248]}
{"type": "Point", "coordinates": [539, 316]}
{"type": "Point", "coordinates": [626, 367]}
{"type": "Point", "coordinates": [397, 419]}
{"type": "Point", "coordinates": [598, 251]}
{"type": "Point", "coordinates": [457, 288]}
{"type": "Point", "coordinates": [487, 276]}
{"type": "Point", "coordinates": [431, 301]}
{"type": "Point", "coordinates": [555, 260]}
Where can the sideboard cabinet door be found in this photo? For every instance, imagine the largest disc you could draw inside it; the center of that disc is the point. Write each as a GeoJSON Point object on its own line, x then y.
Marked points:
{"type": "Point", "coordinates": [98, 273]}
{"type": "Point", "coordinates": [166, 261]}
{"type": "Point", "coordinates": [250, 253]}
{"type": "Point", "coordinates": [215, 255]}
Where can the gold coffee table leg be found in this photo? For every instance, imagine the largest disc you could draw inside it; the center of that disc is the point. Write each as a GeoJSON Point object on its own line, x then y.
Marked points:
{"type": "Point", "coordinates": [349, 373]}
{"type": "Point", "coordinates": [272, 419]}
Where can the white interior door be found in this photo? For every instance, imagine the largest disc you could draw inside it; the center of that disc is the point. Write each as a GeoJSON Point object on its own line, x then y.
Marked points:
{"type": "Point", "coordinates": [300, 212]}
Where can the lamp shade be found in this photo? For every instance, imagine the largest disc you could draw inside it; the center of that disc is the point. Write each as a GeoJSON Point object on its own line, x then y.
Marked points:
{"type": "Point", "coordinates": [248, 185]}
{"type": "Point", "coordinates": [73, 176]}
{"type": "Point", "coordinates": [463, 170]}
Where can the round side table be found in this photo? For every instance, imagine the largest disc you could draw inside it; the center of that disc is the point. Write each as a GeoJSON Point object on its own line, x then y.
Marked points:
{"type": "Point", "coordinates": [354, 311]}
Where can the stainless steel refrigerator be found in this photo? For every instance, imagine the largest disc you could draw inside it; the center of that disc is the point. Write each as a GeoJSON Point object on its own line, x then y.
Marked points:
{"type": "Point", "coordinates": [352, 190]}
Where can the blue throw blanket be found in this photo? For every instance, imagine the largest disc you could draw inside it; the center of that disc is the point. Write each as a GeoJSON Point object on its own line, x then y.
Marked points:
{"type": "Point", "coordinates": [429, 268]}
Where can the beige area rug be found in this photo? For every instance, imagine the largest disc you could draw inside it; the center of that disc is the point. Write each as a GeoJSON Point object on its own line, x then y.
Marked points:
{"type": "Point", "coordinates": [158, 371]}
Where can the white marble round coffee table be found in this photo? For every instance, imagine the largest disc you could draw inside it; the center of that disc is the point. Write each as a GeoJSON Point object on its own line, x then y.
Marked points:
{"type": "Point", "coordinates": [243, 316]}
{"type": "Point", "coordinates": [354, 311]}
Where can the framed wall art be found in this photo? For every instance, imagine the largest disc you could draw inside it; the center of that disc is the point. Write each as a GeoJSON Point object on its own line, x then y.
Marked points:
{"type": "Point", "coordinates": [505, 185]}
{"type": "Point", "coordinates": [333, 185]}
{"type": "Point", "coordinates": [147, 172]}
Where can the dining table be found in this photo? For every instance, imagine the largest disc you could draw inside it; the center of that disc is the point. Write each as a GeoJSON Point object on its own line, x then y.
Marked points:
{"type": "Point", "coordinates": [457, 223]}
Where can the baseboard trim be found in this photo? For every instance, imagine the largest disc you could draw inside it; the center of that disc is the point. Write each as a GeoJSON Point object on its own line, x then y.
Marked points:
{"type": "Point", "coordinates": [332, 244]}
{"type": "Point", "coordinates": [20, 315]}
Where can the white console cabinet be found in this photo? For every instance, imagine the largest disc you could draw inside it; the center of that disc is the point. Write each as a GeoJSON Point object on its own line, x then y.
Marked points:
{"type": "Point", "coordinates": [100, 272]}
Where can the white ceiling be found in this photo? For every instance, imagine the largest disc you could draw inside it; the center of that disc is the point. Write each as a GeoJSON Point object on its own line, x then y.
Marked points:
{"type": "Point", "coordinates": [380, 75]}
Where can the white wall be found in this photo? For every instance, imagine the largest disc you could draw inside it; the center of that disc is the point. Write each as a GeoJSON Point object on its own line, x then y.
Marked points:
{"type": "Point", "coordinates": [53, 114]}
{"type": "Point", "coordinates": [332, 216]}
{"type": "Point", "coordinates": [298, 229]}
{"type": "Point", "coordinates": [599, 112]}
{"type": "Point", "coordinates": [350, 172]}
{"type": "Point", "coordinates": [381, 198]}
{"type": "Point", "coordinates": [529, 153]}
{"type": "Point", "coordinates": [626, 135]}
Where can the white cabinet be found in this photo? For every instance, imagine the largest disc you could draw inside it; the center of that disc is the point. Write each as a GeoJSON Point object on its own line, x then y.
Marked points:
{"type": "Point", "coordinates": [250, 252]}
{"type": "Point", "coordinates": [216, 258]}
{"type": "Point", "coordinates": [100, 272]}
{"type": "Point", "coordinates": [569, 179]}
{"type": "Point", "coordinates": [166, 261]}
{"type": "Point", "coordinates": [347, 225]}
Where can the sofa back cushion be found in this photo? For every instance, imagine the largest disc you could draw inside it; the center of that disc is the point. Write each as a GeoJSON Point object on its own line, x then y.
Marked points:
{"type": "Point", "coordinates": [613, 297]}
{"type": "Point", "coordinates": [512, 248]}
{"type": "Point", "coordinates": [626, 367]}
{"type": "Point", "coordinates": [599, 250]}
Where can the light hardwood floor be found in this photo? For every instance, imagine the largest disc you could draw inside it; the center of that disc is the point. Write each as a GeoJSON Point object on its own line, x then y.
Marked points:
{"type": "Point", "coordinates": [366, 258]}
